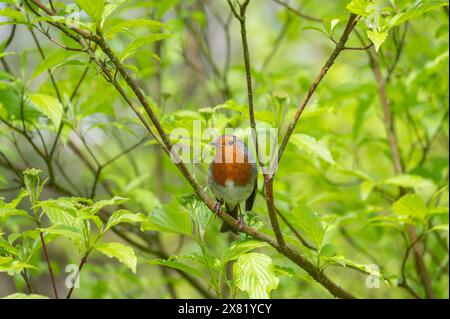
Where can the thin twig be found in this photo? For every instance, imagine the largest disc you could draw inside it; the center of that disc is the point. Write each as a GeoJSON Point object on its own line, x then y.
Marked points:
{"type": "Point", "coordinates": [297, 12]}
{"type": "Point", "coordinates": [49, 266]}
{"type": "Point", "coordinates": [351, 23]}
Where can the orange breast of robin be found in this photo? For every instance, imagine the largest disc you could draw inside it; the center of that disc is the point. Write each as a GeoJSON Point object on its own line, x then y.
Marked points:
{"type": "Point", "coordinates": [239, 173]}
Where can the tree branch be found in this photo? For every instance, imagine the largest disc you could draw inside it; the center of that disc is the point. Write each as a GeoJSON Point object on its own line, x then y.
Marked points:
{"type": "Point", "coordinates": [164, 142]}
{"type": "Point", "coordinates": [352, 20]}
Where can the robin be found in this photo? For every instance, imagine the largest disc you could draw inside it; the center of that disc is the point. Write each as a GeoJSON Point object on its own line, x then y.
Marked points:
{"type": "Point", "coordinates": [233, 177]}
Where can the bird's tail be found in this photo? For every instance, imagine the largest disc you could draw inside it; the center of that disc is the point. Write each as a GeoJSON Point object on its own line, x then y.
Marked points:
{"type": "Point", "coordinates": [234, 213]}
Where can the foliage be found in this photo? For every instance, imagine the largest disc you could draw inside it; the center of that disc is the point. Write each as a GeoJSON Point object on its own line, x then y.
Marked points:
{"type": "Point", "coordinates": [88, 90]}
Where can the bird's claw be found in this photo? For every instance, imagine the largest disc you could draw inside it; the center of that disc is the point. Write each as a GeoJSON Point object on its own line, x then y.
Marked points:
{"type": "Point", "coordinates": [241, 223]}
{"type": "Point", "coordinates": [217, 207]}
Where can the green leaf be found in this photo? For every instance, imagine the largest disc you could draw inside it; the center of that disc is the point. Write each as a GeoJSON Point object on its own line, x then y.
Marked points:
{"type": "Point", "coordinates": [94, 8]}
{"type": "Point", "coordinates": [6, 212]}
{"type": "Point", "coordinates": [70, 232]}
{"type": "Point", "coordinates": [129, 26]}
{"type": "Point", "coordinates": [116, 200]}
{"type": "Point", "coordinates": [15, 267]}
{"type": "Point", "coordinates": [367, 268]}
{"type": "Point", "coordinates": [241, 247]}
{"type": "Point", "coordinates": [19, 295]}
{"type": "Point", "coordinates": [312, 146]}
{"type": "Point", "coordinates": [311, 27]}
{"type": "Point", "coordinates": [443, 227]}
{"type": "Point", "coordinates": [254, 273]}
{"type": "Point", "coordinates": [124, 254]}
{"type": "Point", "coordinates": [418, 183]}
{"type": "Point", "coordinates": [124, 216]}
{"type": "Point", "coordinates": [416, 9]}
{"type": "Point", "coordinates": [405, 180]}
{"type": "Point", "coordinates": [176, 265]}
{"type": "Point", "coordinates": [377, 38]}
{"type": "Point", "coordinates": [328, 250]}
{"type": "Point", "coordinates": [59, 211]}
{"type": "Point", "coordinates": [330, 25]}
{"type": "Point", "coordinates": [284, 271]}
{"type": "Point", "coordinates": [307, 220]}
{"type": "Point", "coordinates": [16, 201]}
{"type": "Point", "coordinates": [12, 14]}
{"type": "Point", "coordinates": [358, 7]}
{"type": "Point", "coordinates": [333, 25]}
{"type": "Point", "coordinates": [49, 106]}
{"type": "Point", "coordinates": [54, 60]}
{"type": "Point", "coordinates": [10, 249]}
{"type": "Point", "coordinates": [3, 54]}
{"type": "Point", "coordinates": [410, 205]}
{"type": "Point", "coordinates": [172, 218]}
{"type": "Point", "coordinates": [138, 43]}
{"type": "Point", "coordinates": [366, 189]}
{"type": "Point", "coordinates": [5, 260]}
{"type": "Point", "coordinates": [110, 7]}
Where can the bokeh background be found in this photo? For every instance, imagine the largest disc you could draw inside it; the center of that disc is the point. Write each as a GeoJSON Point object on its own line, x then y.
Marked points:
{"type": "Point", "coordinates": [200, 75]}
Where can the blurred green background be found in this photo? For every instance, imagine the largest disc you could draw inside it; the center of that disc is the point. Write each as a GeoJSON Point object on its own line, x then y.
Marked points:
{"type": "Point", "coordinates": [338, 162]}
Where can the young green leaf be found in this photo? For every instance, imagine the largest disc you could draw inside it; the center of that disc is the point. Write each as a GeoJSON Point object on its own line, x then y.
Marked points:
{"type": "Point", "coordinates": [116, 200]}
{"type": "Point", "coordinates": [358, 7]}
{"type": "Point", "coordinates": [377, 38]}
{"type": "Point", "coordinates": [49, 106]}
{"type": "Point", "coordinates": [129, 26]}
{"type": "Point", "coordinates": [312, 146]}
{"type": "Point", "coordinates": [12, 14]}
{"type": "Point", "coordinates": [6, 246]}
{"type": "Point", "coordinates": [254, 273]}
{"type": "Point", "coordinates": [59, 211]}
{"type": "Point", "coordinates": [94, 8]}
{"type": "Point", "coordinates": [15, 267]}
{"type": "Point", "coordinates": [410, 205]}
{"type": "Point", "coordinates": [54, 60]}
{"type": "Point", "coordinates": [124, 254]}
{"type": "Point", "coordinates": [241, 247]}
{"type": "Point", "coordinates": [443, 227]}
{"type": "Point", "coordinates": [172, 218]}
{"type": "Point", "coordinates": [307, 220]}
{"type": "Point", "coordinates": [5, 260]}
{"type": "Point", "coordinates": [110, 7]}
{"type": "Point", "coordinates": [70, 232]}
{"type": "Point", "coordinates": [410, 181]}
{"type": "Point", "coordinates": [176, 265]}
{"type": "Point", "coordinates": [124, 216]}
{"type": "Point", "coordinates": [3, 54]}
{"type": "Point", "coordinates": [423, 186]}
{"type": "Point", "coordinates": [138, 43]}
{"type": "Point", "coordinates": [416, 9]}
{"type": "Point", "coordinates": [6, 212]}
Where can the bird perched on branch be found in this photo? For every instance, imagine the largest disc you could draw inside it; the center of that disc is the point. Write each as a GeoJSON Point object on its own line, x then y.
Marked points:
{"type": "Point", "coordinates": [233, 177]}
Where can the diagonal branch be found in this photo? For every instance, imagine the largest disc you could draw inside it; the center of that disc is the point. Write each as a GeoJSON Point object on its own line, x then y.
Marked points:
{"type": "Point", "coordinates": [162, 139]}
{"type": "Point", "coordinates": [340, 46]}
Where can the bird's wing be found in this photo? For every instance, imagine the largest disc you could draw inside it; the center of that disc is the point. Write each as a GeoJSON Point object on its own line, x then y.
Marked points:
{"type": "Point", "coordinates": [249, 202]}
